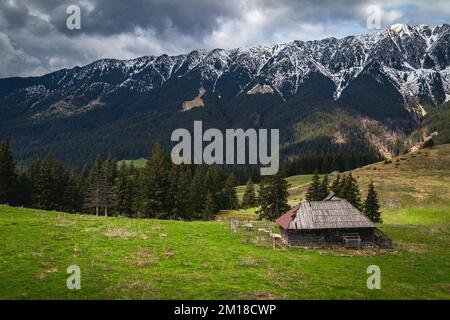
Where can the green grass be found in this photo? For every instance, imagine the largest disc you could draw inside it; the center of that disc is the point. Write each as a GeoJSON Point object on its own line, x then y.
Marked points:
{"type": "Point", "coordinates": [240, 214]}
{"type": "Point", "coordinates": [138, 163]}
{"type": "Point", "coordinates": [124, 258]}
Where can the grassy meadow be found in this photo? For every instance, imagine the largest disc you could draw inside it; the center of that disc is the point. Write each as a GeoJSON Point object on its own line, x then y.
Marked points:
{"type": "Point", "coordinates": [122, 258]}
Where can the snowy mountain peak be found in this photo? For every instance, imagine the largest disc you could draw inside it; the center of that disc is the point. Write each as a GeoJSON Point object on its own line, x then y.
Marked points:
{"type": "Point", "coordinates": [413, 59]}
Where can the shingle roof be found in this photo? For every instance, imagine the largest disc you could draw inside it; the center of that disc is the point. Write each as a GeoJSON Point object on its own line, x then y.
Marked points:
{"type": "Point", "coordinates": [328, 214]}
{"type": "Point", "coordinates": [286, 218]}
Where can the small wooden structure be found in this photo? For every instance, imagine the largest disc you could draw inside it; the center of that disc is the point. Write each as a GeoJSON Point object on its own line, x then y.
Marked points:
{"type": "Point", "coordinates": [351, 240]}
{"type": "Point", "coordinates": [333, 222]}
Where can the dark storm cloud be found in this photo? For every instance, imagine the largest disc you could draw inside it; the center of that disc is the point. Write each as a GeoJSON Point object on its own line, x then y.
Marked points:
{"type": "Point", "coordinates": [34, 38]}
{"type": "Point", "coordinates": [12, 17]}
{"type": "Point", "coordinates": [193, 17]}
{"type": "Point", "coordinates": [106, 17]}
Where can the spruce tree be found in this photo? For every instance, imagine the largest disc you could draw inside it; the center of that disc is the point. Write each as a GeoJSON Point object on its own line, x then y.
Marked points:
{"type": "Point", "coordinates": [8, 175]}
{"type": "Point", "coordinates": [371, 205]}
{"type": "Point", "coordinates": [264, 198]}
{"type": "Point", "coordinates": [323, 188]}
{"type": "Point", "coordinates": [24, 189]}
{"type": "Point", "coordinates": [249, 198]}
{"type": "Point", "coordinates": [180, 180]}
{"type": "Point", "coordinates": [350, 191]}
{"type": "Point", "coordinates": [44, 195]}
{"type": "Point", "coordinates": [213, 182]}
{"type": "Point", "coordinates": [336, 186]}
{"type": "Point", "coordinates": [124, 190]}
{"type": "Point", "coordinates": [273, 197]}
{"type": "Point", "coordinates": [198, 191]}
{"type": "Point", "coordinates": [229, 197]}
{"type": "Point", "coordinates": [97, 197]}
{"type": "Point", "coordinates": [110, 170]}
{"type": "Point", "coordinates": [313, 193]}
{"type": "Point", "coordinates": [155, 184]}
{"type": "Point", "coordinates": [210, 207]}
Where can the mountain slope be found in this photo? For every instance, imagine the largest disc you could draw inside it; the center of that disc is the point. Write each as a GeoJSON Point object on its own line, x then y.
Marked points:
{"type": "Point", "coordinates": [394, 77]}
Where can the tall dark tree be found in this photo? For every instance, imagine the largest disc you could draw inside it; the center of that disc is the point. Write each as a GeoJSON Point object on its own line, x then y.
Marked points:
{"type": "Point", "coordinates": [229, 197]}
{"type": "Point", "coordinates": [72, 197]}
{"type": "Point", "coordinates": [314, 191]}
{"type": "Point", "coordinates": [336, 186]}
{"type": "Point", "coordinates": [83, 186]}
{"type": "Point", "coordinates": [124, 190]}
{"type": "Point", "coordinates": [350, 191]}
{"type": "Point", "coordinates": [371, 205]}
{"type": "Point", "coordinates": [214, 184]}
{"type": "Point", "coordinates": [44, 187]}
{"type": "Point", "coordinates": [209, 207]}
{"type": "Point", "coordinates": [155, 184]}
{"type": "Point", "coordinates": [24, 189]}
{"type": "Point", "coordinates": [98, 190]}
{"type": "Point", "coordinates": [249, 198]}
{"type": "Point", "coordinates": [110, 170]}
{"type": "Point", "coordinates": [323, 189]}
{"type": "Point", "coordinates": [198, 191]}
{"type": "Point", "coordinates": [8, 174]}
{"type": "Point", "coordinates": [273, 197]}
{"type": "Point", "coordinates": [180, 181]}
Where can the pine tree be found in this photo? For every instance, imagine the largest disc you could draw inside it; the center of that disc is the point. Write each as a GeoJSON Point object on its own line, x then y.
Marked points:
{"type": "Point", "coordinates": [71, 196]}
{"type": "Point", "coordinates": [371, 205]}
{"type": "Point", "coordinates": [138, 195]}
{"type": "Point", "coordinates": [180, 180]}
{"type": "Point", "coordinates": [110, 170]}
{"type": "Point", "coordinates": [44, 189]}
{"type": "Point", "coordinates": [8, 175]}
{"type": "Point", "coordinates": [84, 188]}
{"type": "Point", "coordinates": [24, 189]}
{"type": "Point", "coordinates": [273, 197]}
{"type": "Point", "coordinates": [209, 208]}
{"type": "Point", "coordinates": [213, 182]}
{"type": "Point", "coordinates": [336, 186]}
{"type": "Point", "coordinates": [229, 197]}
{"type": "Point", "coordinates": [249, 198]}
{"type": "Point", "coordinates": [313, 193]}
{"type": "Point", "coordinates": [197, 191]}
{"type": "Point", "coordinates": [97, 197]}
{"type": "Point", "coordinates": [350, 191]}
{"type": "Point", "coordinates": [124, 190]}
{"type": "Point", "coordinates": [155, 184]}
{"type": "Point", "coordinates": [264, 197]}
{"type": "Point", "coordinates": [323, 188]}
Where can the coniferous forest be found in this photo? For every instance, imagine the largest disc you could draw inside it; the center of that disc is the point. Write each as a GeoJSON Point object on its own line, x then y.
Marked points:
{"type": "Point", "coordinates": [159, 190]}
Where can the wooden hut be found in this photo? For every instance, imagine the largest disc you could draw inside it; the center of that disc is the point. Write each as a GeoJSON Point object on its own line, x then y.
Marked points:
{"type": "Point", "coordinates": [333, 222]}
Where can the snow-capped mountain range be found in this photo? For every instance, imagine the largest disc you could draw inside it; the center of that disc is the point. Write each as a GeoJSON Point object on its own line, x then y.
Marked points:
{"type": "Point", "coordinates": [416, 59]}
{"type": "Point", "coordinates": [411, 63]}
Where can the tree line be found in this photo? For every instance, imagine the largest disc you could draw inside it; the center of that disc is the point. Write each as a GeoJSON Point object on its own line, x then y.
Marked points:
{"type": "Point", "coordinates": [327, 163]}
{"type": "Point", "coordinates": [159, 190]}
{"type": "Point", "coordinates": [347, 188]}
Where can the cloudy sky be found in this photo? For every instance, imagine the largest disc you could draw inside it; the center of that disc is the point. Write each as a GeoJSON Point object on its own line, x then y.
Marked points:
{"type": "Point", "coordinates": [34, 38]}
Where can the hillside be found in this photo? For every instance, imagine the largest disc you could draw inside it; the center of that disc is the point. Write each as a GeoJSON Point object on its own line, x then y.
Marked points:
{"type": "Point", "coordinates": [123, 258]}
{"type": "Point", "coordinates": [421, 178]}
{"type": "Point", "coordinates": [371, 90]}
{"type": "Point", "coordinates": [413, 179]}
